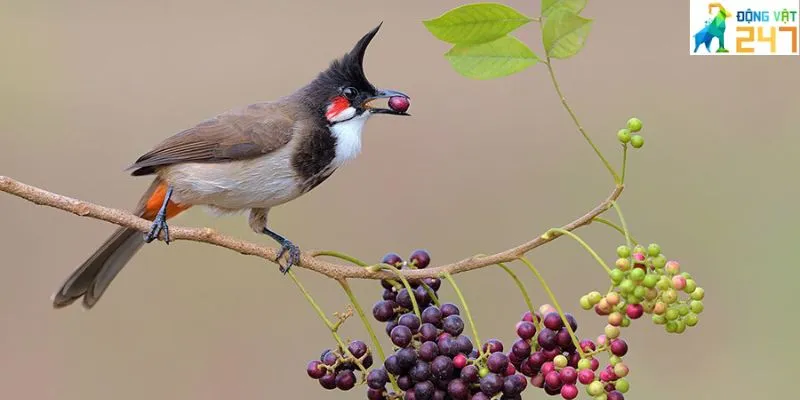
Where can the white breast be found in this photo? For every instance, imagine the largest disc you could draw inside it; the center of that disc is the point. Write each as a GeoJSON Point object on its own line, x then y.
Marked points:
{"type": "Point", "coordinates": [348, 138]}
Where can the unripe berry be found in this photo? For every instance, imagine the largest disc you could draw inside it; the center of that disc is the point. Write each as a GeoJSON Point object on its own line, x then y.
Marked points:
{"type": "Point", "coordinates": [585, 364]}
{"type": "Point", "coordinates": [683, 309]}
{"type": "Point", "coordinates": [637, 141]}
{"type": "Point", "coordinates": [560, 361]}
{"type": "Point", "coordinates": [659, 320]}
{"type": "Point", "coordinates": [621, 370]}
{"type": "Point", "coordinates": [623, 251]}
{"type": "Point", "coordinates": [673, 267]}
{"type": "Point", "coordinates": [623, 264]}
{"type": "Point", "coordinates": [634, 124]}
{"type": "Point", "coordinates": [650, 294]}
{"type": "Point", "coordinates": [669, 296]}
{"type": "Point", "coordinates": [617, 275]}
{"type": "Point", "coordinates": [678, 282]}
{"type": "Point", "coordinates": [691, 286]}
{"type": "Point", "coordinates": [691, 320]}
{"type": "Point", "coordinates": [615, 319]}
{"type": "Point", "coordinates": [611, 331]}
{"type": "Point", "coordinates": [696, 306]}
{"type": "Point", "coordinates": [680, 327]}
{"type": "Point", "coordinates": [626, 322]}
{"type": "Point", "coordinates": [585, 303]}
{"type": "Point", "coordinates": [612, 298]}
{"type": "Point", "coordinates": [672, 314]}
{"type": "Point", "coordinates": [698, 294]}
{"type": "Point", "coordinates": [671, 326]}
{"type": "Point", "coordinates": [653, 250]}
{"type": "Point", "coordinates": [624, 135]}
{"type": "Point", "coordinates": [594, 297]}
{"type": "Point", "coordinates": [659, 261]}
{"type": "Point", "coordinates": [622, 385]}
{"type": "Point", "coordinates": [664, 283]}
{"type": "Point", "coordinates": [626, 286]}
{"type": "Point", "coordinates": [595, 388]}
{"type": "Point", "coordinates": [637, 275]}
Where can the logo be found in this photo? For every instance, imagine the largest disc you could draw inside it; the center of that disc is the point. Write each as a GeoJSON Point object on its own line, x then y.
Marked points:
{"type": "Point", "coordinates": [744, 27]}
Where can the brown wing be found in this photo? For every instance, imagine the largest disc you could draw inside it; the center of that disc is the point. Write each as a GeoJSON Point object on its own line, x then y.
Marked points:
{"type": "Point", "coordinates": [235, 135]}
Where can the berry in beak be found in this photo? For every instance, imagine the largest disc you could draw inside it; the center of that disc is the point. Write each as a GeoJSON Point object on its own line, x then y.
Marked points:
{"type": "Point", "coordinates": [398, 103]}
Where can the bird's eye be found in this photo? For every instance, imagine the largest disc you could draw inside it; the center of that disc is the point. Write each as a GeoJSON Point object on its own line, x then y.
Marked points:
{"type": "Point", "coordinates": [350, 92]}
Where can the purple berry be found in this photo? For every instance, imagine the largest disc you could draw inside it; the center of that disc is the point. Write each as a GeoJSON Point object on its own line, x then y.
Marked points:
{"type": "Point", "coordinates": [458, 389]}
{"type": "Point", "coordinates": [564, 340]}
{"type": "Point", "coordinates": [399, 103]}
{"type": "Point", "coordinates": [404, 382]}
{"type": "Point", "coordinates": [464, 344]}
{"type": "Point", "coordinates": [433, 283]}
{"type": "Point", "coordinates": [619, 347]}
{"type": "Point", "coordinates": [526, 330]}
{"type": "Point", "coordinates": [383, 310]}
{"type": "Point", "coordinates": [328, 381]}
{"type": "Point", "coordinates": [547, 339]}
{"type": "Point", "coordinates": [392, 365]}
{"type": "Point", "coordinates": [491, 384]}
{"type": "Point", "coordinates": [421, 371]}
{"type": "Point", "coordinates": [424, 390]}
{"type": "Point", "coordinates": [375, 394]}
{"type": "Point", "coordinates": [314, 369]}
{"type": "Point", "coordinates": [513, 385]}
{"type": "Point", "coordinates": [377, 378]}
{"type": "Point", "coordinates": [357, 348]}
{"type": "Point", "coordinates": [553, 321]}
{"type": "Point", "coordinates": [493, 346]}
{"type": "Point", "coordinates": [537, 359]}
{"type": "Point", "coordinates": [389, 294]}
{"type": "Point", "coordinates": [453, 325]}
{"type": "Point", "coordinates": [420, 258]}
{"type": "Point", "coordinates": [406, 358]}
{"type": "Point", "coordinates": [553, 379]}
{"type": "Point", "coordinates": [449, 309]}
{"type": "Point", "coordinates": [410, 320]}
{"type": "Point", "coordinates": [389, 326]}
{"type": "Point", "coordinates": [480, 396]}
{"type": "Point", "coordinates": [470, 374]}
{"type": "Point", "coordinates": [568, 375]}
{"type": "Point", "coordinates": [428, 351]}
{"type": "Point", "coordinates": [392, 259]}
{"type": "Point", "coordinates": [432, 315]}
{"type": "Point", "coordinates": [537, 381]}
{"type": "Point", "coordinates": [329, 357]}
{"type": "Point", "coordinates": [573, 323]}
{"type": "Point", "coordinates": [401, 336]}
{"type": "Point", "coordinates": [521, 349]}
{"type": "Point", "coordinates": [428, 332]}
{"type": "Point", "coordinates": [442, 367]}
{"type": "Point", "coordinates": [497, 362]}
{"type": "Point", "coordinates": [404, 299]}
{"type": "Point", "coordinates": [615, 395]}
{"type": "Point", "coordinates": [448, 346]}
{"type": "Point", "coordinates": [345, 380]}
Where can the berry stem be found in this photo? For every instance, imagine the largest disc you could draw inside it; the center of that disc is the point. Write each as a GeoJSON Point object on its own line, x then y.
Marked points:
{"type": "Point", "coordinates": [341, 256]}
{"type": "Point", "coordinates": [406, 285]}
{"type": "Point", "coordinates": [556, 305]}
{"type": "Point", "coordinates": [615, 226]}
{"type": "Point", "coordinates": [331, 326]}
{"type": "Point", "coordinates": [521, 287]}
{"type": "Point", "coordinates": [463, 301]}
{"type": "Point", "coordinates": [434, 298]}
{"type": "Point", "coordinates": [576, 121]}
{"type": "Point", "coordinates": [375, 342]}
{"type": "Point", "coordinates": [622, 220]}
{"type": "Point", "coordinates": [585, 246]}
{"type": "Point", "coordinates": [624, 161]}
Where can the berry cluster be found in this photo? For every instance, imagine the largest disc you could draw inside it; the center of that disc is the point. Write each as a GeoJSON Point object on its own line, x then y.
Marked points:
{"type": "Point", "coordinates": [336, 368]}
{"type": "Point", "coordinates": [546, 352]}
{"type": "Point", "coordinates": [629, 134]}
{"type": "Point", "coordinates": [645, 282]}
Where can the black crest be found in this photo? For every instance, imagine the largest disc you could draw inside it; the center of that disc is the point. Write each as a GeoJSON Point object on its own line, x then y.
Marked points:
{"type": "Point", "coordinates": [349, 69]}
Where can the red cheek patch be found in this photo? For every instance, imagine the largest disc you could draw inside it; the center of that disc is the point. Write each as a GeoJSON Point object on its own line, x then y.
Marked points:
{"type": "Point", "coordinates": [338, 105]}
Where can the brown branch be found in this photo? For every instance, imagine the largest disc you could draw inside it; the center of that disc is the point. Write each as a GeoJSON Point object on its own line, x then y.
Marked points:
{"type": "Point", "coordinates": [307, 259]}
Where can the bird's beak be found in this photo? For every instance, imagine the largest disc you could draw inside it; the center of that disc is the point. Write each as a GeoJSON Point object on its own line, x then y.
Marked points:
{"type": "Point", "coordinates": [384, 94]}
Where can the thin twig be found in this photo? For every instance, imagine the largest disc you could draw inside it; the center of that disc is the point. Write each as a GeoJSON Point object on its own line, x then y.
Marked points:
{"type": "Point", "coordinates": [307, 260]}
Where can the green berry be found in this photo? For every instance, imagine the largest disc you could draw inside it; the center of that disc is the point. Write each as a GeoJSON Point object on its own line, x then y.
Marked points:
{"type": "Point", "coordinates": [639, 249]}
{"type": "Point", "coordinates": [659, 261]}
{"type": "Point", "coordinates": [671, 326]}
{"type": "Point", "coordinates": [653, 250]}
{"type": "Point", "coordinates": [650, 294]}
{"type": "Point", "coordinates": [650, 281]}
{"type": "Point", "coordinates": [483, 372]}
{"type": "Point", "coordinates": [664, 283]}
{"type": "Point", "coordinates": [595, 388]}
{"type": "Point", "coordinates": [686, 275]}
{"type": "Point", "coordinates": [631, 299]}
{"type": "Point", "coordinates": [637, 274]}
{"type": "Point", "coordinates": [640, 291]}
{"type": "Point", "coordinates": [601, 396]}
{"type": "Point", "coordinates": [626, 322]}
{"type": "Point", "coordinates": [698, 294]}
{"type": "Point", "coordinates": [634, 124]}
{"type": "Point", "coordinates": [623, 264]}
{"type": "Point", "coordinates": [659, 319]}
{"type": "Point", "coordinates": [594, 297]}
{"type": "Point", "coordinates": [584, 363]}
{"type": "Point", "coordinates": [585, 303]}
{"type": "Point", "coordinates": [683, 309]}
{"type": "Point", "coordinates": [680, 327]}
{"type": "Point", "coordinates": [622, 385]}
{"type": "Point", "coordinates": [691, 319]}
{"type": "Point", "coordinates": [626, 286]}
{"type": "Point", "coordinates": [669, 296]}
{"type": "Point", "coordinates": [560, 361]}
{"type": "Point", "coordinates": [691, 286]}
{"type": "Point", "coordinates": [617, 275]}
{"type": "Point", "coordinates": [672, 314]}
{"type": "Point", "coordinates": [614, 360]}
{"type": "Point", "coordinates": [637, 141]}
{"type": "Point", "coordinates": [623, 251]}
{"type": "Point", "coordinates": [611, 331]}
{"type": "Point", "coordinates": [696, 306]}
{"type": "Point", "coordinates": [624, 135]}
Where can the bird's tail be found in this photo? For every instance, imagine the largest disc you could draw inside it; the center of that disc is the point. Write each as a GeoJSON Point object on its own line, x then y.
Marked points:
{"type": "Point", "coordinates": [92, 278]}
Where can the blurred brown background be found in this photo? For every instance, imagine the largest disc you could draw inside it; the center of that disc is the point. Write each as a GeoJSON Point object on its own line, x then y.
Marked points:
{"type": "Point", "coordinates": [88, 86]}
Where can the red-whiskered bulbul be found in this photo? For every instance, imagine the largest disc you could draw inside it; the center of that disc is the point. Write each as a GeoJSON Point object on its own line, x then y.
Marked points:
{"type": "Point", "coordinates": [252, 158]}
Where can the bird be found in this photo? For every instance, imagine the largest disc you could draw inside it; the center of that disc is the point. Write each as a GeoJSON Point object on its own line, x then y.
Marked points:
{"type": "Point", "coordinates": [247, 159]}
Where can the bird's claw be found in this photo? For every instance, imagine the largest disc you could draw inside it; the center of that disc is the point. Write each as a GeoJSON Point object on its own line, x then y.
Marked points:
{"type": "Point", "coordinates": [159, 224]}
{"type": "Point", "coordinates": [292, 253]}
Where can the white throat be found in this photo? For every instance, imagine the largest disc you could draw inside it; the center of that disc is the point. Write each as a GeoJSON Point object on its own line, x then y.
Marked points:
{"type": "Point", "coordinates": [348, 137]}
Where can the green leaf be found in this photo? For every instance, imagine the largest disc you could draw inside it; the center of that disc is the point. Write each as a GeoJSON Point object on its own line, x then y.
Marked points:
{"type": "Point", "coordinates": [564, 34]}
{"type": "Point", "coordinates": [476, 23]}
{"type": "Point", "coordinates": [573, 6]}
{"type": "Point", "coordinates": [504, 56]}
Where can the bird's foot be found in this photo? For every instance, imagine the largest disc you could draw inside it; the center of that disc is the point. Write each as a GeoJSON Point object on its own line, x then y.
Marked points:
{"type": "Point", "coordinates": [292, 253]}
{"type": "Point", "coordinates": [159, 224]}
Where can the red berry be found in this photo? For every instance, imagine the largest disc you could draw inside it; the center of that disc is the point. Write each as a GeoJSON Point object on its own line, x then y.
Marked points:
{"type": "Point", "coordinates": [585, 376]}
{"type": "Point", "coordinates": [510, 370]}
{"type": "Point", "coordinates": [568, 375]}
{"type": "Point", "coordinates": [587, 345]}
{"type": "Point", "coordinates": [553, 379]}
{"type": "Point", "coordinates": [569, 391]}
{"type": "Point", "coordinates": [553, 321]}
{"type": "Point", "coordinates": [399, 103]}
{"type": "Point", "coordinates": [618, 347]}
{"type": "Point", "coordinates": [634, 311]}
{"type": "Point", "coordinates": [459, 361]}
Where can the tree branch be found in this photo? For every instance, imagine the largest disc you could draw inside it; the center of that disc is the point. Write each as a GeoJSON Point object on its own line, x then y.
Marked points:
{"type": "Point", "coordinates": [307, 259]}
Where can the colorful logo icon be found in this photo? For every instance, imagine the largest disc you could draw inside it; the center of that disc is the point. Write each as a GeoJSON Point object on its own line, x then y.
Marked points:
{"type": "Point", "coordinates": [744, 27]}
